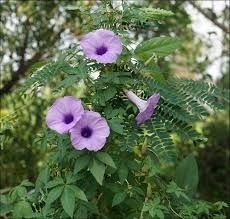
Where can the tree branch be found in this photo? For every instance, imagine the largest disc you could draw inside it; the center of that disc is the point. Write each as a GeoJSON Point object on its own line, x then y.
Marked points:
{"type": "Point", "coordinates": [209, 17]}
{"type": "Point", "coordinates": [24, 46]}
{"type": "Point", "coordinates": [25, 65]}
{"type": "Point", "coordinates": [19, 73]}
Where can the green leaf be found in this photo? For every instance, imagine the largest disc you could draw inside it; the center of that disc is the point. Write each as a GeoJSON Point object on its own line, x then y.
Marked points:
{"type": "Point", "coordinates": [70, 177]}
{"type": "Point", "coordinates": [42, 179]}
{"type": "Point", "coordinates": [109, 93]}
{"type": "Point", "coordinates": [98, 170]}
{"type": "Point", "coordinates": [123, 173]}
{"type": "Point", "coordinates": [220, 205]}
{"type": "Point", "coordinates": [156, 13]}
{"type": "Point", "coordinates": [54, 194]}
{"type": "Point", "coordinates": [154, 71]}
{"type": "Point", "coordinates": [4, 199]}
{"type": "Point", "coordinates": [104, 95]}
{"type": "Point", "coordinates": [37, 65]}
{"type": "Point", "coordinates": [151, 166]}
{"type": "Point", "coordinates": [115, 125]}
{"type": "Point", "coordinates": [55, 182]}
{"type": "Point", "coordinates": [81, 212]}
{"type": "Point", "coordinates": [81, 163]}
{"type": "Point", "coordinates": [173, 188]}
{"type": "Point", "coordinates": [5, 209]}
{"type": "Point", "coordinates": [92, 207]}
{"type": "Point", "coordinates": [105, 158]}
{"type": "Point", "coordinates": [69, 81]}
{"type": "Point", "coordinates": [152, 212]}
{"type": "Point", "coordinates": [160, 214]}
{"type": "Point", "coordinates": [78, 192]}
{"type": "Point", "coordinates": [186, 175]}
{"type": "Point", "coordinates": [27, 183]}
{"type": "Point", "coordinates": [22, 210]}
{"type": "Point", "coordinates": [68, 201]}
{"type": "Point", "coordinates": [143, 15]}
{"type": "Point", "coordinates": [146, 207]}
{"type": "Point", "coordinates": [160, 46]}
{"type": "Point", "coordinates": [154, 207]}
{"type": "Point", "coordinates": [203, 207]}
{"type": "Point", "coordinates": [19, 192]}
{"type": "Point", "coordinates": [110, 112]}
{"type": "Point", "coordinates": [118, 198]}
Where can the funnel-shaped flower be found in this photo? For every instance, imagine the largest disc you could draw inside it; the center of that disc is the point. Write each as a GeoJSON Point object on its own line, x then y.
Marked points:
{"type": "Point", "coordinates": [90, 132]}
{"type": "Point", "coordinates": [146, 107]}
{"type": "Point", "coordinates": [64, 114]}
{"type": "Point", "coordinates": [101, 45]}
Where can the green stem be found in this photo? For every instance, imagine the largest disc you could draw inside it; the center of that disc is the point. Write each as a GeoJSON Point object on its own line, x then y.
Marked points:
{"type": "Point", "coordinates": [170, 206]}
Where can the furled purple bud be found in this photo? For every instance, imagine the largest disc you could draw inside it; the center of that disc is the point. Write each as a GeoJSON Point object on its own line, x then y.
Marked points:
{"type": "Point", "coordinates": [146, 108]}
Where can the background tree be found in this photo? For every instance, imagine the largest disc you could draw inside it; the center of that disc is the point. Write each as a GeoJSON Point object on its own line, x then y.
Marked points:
{"type": "Point", "coordinates": [32, 31]}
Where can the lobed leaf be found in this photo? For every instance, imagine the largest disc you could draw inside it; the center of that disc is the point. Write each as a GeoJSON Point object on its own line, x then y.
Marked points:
{"type": "Point", "coordinates": [97, 169]}
{"type": "Point", "coordinates": [68, 201]}
{"type": "Point", "coordinates": [105, 158]}
{"type": "Point", "coordinates": [118, 198]}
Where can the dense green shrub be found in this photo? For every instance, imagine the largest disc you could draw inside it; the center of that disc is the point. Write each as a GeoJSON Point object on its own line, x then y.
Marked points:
{"type": "Point", "coordinates": [138, 173]}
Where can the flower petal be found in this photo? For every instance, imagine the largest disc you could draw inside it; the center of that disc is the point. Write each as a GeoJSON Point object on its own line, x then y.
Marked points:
{"type": "Point", "coordinates": [92, 41]}
{"type": "Point", "coordinates": [96, 138]}
{"type": "Point", "coordinates": [101, 128]}
{"type": "Point", "coordinates": [96, 143]}
{"type": "Point", "coordinates": [108, 57]}
{"type": "Point", "coordinates": [149, 109]}
{"type": "Point", "coordinates": [63, 106]}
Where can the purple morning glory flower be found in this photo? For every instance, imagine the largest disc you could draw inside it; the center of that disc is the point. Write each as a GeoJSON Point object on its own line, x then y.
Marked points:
{"type": "Point", "coordinates": [64, 114]}
{"type": "Point", "coordinates": [90, 132]}
{"type": "Point", "coordinates": [146, 107]}
{"type": "Point", "coordinates": [101, 45]}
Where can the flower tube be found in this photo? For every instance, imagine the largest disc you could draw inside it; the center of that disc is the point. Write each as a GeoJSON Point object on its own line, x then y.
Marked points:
{"type": "Point", "coordinates": [146, 108]}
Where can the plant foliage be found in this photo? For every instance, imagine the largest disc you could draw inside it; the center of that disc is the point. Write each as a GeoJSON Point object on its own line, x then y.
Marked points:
{"type": "Point", "coordinates": [137, 174]}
